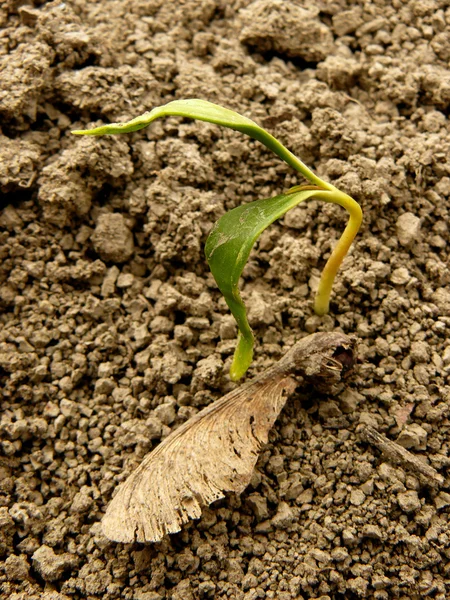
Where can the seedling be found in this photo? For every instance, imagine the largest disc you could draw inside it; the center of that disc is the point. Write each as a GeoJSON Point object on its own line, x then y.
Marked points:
{"type": "Point", "coordinates": [229, 244]}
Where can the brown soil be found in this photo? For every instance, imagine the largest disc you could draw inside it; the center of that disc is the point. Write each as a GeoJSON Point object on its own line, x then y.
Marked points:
{"type": "Point", "coordinates": [113, 332]}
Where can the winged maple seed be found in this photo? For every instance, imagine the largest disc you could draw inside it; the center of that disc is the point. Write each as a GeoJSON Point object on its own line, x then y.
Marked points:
{"type": "Point", "coordinates": [215, 451]}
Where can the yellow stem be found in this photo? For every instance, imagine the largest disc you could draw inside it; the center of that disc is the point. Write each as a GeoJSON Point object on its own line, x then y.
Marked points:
{"type": "Point", "coordinates": [322, 300]}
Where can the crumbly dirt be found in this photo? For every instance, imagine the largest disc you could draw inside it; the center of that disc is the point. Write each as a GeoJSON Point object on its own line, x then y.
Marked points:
{"type": "Point", "coordinates": [113, 332]}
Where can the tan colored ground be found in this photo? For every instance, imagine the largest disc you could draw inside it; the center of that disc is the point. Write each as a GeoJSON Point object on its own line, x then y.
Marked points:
{"type": "Point", "coordinates": [113, 333]}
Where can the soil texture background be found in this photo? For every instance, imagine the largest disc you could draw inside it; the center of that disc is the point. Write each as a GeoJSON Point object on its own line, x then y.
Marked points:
{"type": "Point", "coordinates": [112, 330]}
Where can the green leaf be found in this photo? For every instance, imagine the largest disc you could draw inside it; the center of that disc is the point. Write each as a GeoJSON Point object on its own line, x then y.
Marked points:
{"type": "Point", "coordinates": [227, 249]}
{"type": "Point", "coordinates": [192, 109]}
{"type": "Point", "coordinates": [212, 113]}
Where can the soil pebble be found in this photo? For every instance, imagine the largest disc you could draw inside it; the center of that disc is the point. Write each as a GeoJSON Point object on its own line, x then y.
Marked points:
{"type": "Point", "coordinates": [286, 28]}
{"type": "Point", "coordinates": [113, 240]}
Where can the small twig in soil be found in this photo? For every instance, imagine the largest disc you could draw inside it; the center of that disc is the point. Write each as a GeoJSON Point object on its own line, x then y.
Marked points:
{"type": "Point", "coordinates": [216, 450]}
{"type": "Point", "coordinates": [400, 455]}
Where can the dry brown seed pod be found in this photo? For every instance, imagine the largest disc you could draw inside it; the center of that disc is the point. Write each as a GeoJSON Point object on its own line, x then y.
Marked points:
{"type": "Point", "coordinates": [215, 451]}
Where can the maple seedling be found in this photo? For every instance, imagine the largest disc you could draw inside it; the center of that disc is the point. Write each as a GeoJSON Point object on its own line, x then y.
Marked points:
{"type": "Point", "coordinates": [229, 244]}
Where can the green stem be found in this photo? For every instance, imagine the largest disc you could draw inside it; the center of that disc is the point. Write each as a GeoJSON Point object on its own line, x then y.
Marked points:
{"type": "Point", "coordinates": [277, 147]}
{"type": "Point", "coordinates": [243, 356]}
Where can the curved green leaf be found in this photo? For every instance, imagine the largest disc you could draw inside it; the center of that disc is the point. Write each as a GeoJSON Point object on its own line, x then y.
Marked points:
{"type": "Point", "coordinates": [192, 109]}
{"type": "Point", "coordinates": [212, 113]}
{"type": "Point", "coordinates": [227, 249]}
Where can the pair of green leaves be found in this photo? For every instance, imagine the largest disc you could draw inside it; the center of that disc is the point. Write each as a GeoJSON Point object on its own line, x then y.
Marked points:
{"type": "Point", "coordinates": [233, 236]}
